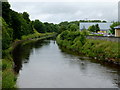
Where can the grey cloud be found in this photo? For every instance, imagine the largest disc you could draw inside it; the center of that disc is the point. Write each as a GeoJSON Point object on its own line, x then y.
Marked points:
{"type": "Point", "coordinates": [67, 11]}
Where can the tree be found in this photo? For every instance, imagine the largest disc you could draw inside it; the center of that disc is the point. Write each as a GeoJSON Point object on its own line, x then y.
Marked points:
{"type": "Point", "coordinates": [62, 28]}
{"type": "Point", "coordinates": [26, 17]}
{"type": "Point", "coordinates": [31, 31]}
{"type": "Point", "coordinates": [6, 35]}
{"type": "Point", "coordinates": [39, 26]}
{"type": "Point", "coordinates": [16, 25]}
{"type": "Point", "coordinates": [112, 30]}
{"type": "Point", "coordinates": [20, 25]}
{"type": "Point", "coordinates": [92, 28]}
{"type": "Point", "coordinates": [104, 21]}
{"type": "Point", "coordinates": [97, 28]}
{"type": "Point", "coordinates": [73, 27]}
{"type": "Point", "coordinates": [6, 12]}
{"type": "Point", "coordinates": [64, 23]}
{"type": "Point", "coordinates": [50, 27]}
{"type": "Point", "coordinates": [47, 27]}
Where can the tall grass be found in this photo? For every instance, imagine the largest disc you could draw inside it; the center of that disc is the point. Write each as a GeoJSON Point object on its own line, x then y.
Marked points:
{"type": "Point", "coordinates": [36, 35]}
{"type": "Point", "coordinates": [8, 76]}
{"type": "Point", "coordinates": [103, 50]}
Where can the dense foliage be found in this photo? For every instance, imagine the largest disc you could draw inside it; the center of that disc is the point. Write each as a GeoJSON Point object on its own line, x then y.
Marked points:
{"type": "Point", "coordinates": [76, 41]}
{"type": "Point", "coordinates": [94, 28]}
{"type": "Point", "coordinates": [15, 27]}
{"type": "Point", "coordinates": [7, 35]}
{"type": "Point", "coordinates": [18, 26]}
{"type": "Point", "coordinates": [72, 39]}
{"type": "Point", "coordinates": [112, 27]}
{"type": "Point", "coordinates": [6, 12]}
{"type": "Point", "coordinates": [66, 25]}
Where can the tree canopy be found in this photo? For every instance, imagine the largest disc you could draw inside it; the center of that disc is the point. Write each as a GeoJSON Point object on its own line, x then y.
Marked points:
{"type": "Point", "coordinates": [94, 28]}
{"type": "Point", "coordinates": [112, 30]}
{"type": "Point", "coordinates": [18, 24]}
{"type": "Point", "coordinates": [39, 26]}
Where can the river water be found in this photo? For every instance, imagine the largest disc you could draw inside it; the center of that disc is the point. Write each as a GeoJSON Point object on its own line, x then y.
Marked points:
{"type": "Point", "coordinates": [43, 64]}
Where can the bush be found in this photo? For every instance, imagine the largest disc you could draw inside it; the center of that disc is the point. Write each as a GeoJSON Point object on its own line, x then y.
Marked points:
{"type": "Point", "coordinates": [77, 41]}
{"type": "Point", "coordinates": [8, 76]}
{"type": "Point", "coordinates": [8, 79]}
{"type": "Point", "coordinates": [6, 35]}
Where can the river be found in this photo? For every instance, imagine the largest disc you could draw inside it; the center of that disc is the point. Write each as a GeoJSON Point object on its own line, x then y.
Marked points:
{"type": "Point", "coordinates": [43, 64]}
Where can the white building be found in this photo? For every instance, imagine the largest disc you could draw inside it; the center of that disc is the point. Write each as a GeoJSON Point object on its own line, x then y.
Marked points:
{"type": "Point", "coordinates": [104, 27]}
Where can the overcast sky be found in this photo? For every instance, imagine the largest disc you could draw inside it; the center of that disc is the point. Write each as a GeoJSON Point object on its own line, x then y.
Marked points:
{"type": "Point", "coordinates": [57, 12]}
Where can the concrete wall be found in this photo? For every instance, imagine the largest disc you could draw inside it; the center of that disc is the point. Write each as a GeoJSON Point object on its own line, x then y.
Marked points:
{"type": "Point", "coordinates": [113, 39]}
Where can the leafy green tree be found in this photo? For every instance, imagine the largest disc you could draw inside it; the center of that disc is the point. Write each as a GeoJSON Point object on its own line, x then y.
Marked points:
{"type": "Point", "coordinates": [104, 21]}
{"type": "Point", "coordinates": [16, 25]}
{"type": "Point", "coordinates": [47, 27]}
{"type": "Point", "coordinates": [50, 27]}
{"type": "Point", "coordinates": [62, 28]}
{"type": "Point", "coordinates": [20, 25]}
{"type": "Point", "coordinates": [73, 27]}
{"type": "Point", "coordinates": [97, 28]}
{"type": "Point", "coordinates": [112, 30]}
{"type": "Point", "coordinates": [39, 26]}
{"type": "Point", "coordinates": [64, 23]}
{"type": "Point", "coordinates": [6, 12]}
{"type": "Point", "coordinates": [92, 28]}
{"type": "Point", "coordinates": [6, 35]}
{"type": "Point", "coordinates": [29, 23]}
{"type": "Point", "coordinates": [26, 26]}
{"type": "Point", "coordinates": [30, 26]}
{"type": "Point", "coordinates": [63, 35]}
{"type": "Point", "coordinates": [26, 17]}
{"type": "Point", "coordinates": [56, 28]}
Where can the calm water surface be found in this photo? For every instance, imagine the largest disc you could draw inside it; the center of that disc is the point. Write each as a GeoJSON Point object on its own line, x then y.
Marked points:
{"type": "Point", "coordinates": [43, 65]}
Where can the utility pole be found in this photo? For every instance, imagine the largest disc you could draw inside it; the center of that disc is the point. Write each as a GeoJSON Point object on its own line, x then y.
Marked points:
{"type": "Point", "coordinates": [119, 11]}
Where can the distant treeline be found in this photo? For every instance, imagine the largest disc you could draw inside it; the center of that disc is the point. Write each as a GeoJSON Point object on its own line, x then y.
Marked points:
{"type": "Point", "coordinates": [15, 25]}
{"type": "Point", "coordinates": [65, 25]}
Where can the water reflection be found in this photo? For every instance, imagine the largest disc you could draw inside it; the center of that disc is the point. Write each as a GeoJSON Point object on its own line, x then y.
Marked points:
{"type": "Point", "coordinates": [51, 67]}
{"type": "Point", "coordinates": [84, 65]}
{"type": "Point", "coordinates": [22, 53]}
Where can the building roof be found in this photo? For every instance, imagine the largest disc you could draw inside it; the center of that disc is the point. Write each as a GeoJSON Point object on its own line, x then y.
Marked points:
{"type": "Point", "coordinates": [103, 26]}
{"type": "Point", "coordinates": [117, 27]}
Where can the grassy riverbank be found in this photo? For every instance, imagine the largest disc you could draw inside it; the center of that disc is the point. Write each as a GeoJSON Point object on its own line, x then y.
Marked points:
{"type": "Point", "coordinates": [98, 49]}
{"type": "Point", "coordinates": [18, 28]}
{"type": "Point", "coordinates": [8, 76]}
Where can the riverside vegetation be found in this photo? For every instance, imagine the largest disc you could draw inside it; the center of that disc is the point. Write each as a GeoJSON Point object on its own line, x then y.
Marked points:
{"type": "Point", "coordinates": [99, 49]}
{"type": "Point", "coordinates": [18, 28]}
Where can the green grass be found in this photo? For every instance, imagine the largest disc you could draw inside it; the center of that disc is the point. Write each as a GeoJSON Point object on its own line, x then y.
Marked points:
{"type": "Point", "coordinates": [36, 35]}
{"type": "Point", "coordinates": [103, 50]}
{"type": "Point", "coordinates": [8, 76]}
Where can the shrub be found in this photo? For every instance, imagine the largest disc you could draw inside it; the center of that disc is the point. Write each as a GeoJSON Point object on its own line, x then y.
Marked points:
{"type": "Point", "coordinates": [77, 41]}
